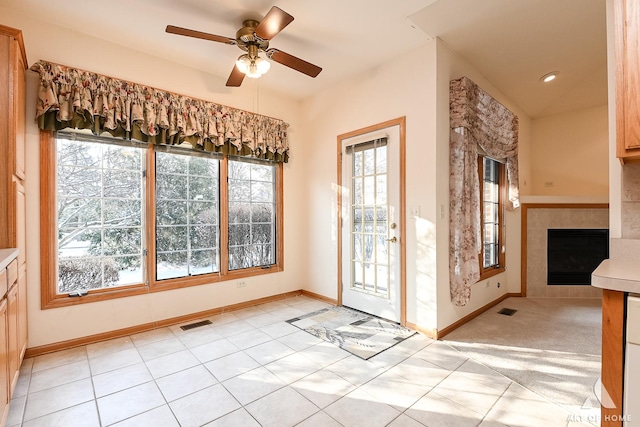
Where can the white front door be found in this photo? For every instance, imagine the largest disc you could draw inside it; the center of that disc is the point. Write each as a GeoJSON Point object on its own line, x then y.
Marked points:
{"type": "Point", "coordinates": [371, 223]}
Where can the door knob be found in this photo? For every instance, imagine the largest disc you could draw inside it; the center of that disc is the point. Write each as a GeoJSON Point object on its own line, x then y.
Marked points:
{"type": "Point", "coordinates": [393, 239]}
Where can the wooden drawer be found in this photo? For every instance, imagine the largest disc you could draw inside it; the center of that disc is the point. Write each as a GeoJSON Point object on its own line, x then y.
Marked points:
{"type": "Point", "coordinates": [12, 271]}
{"type": "Point", "coordinates": [3, 283]}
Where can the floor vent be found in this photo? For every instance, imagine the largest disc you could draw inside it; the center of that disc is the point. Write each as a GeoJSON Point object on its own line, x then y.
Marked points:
{"type": "Point", "coordinates": [195, 325]}
{"type": "Point", "coordinates": [507, 311]}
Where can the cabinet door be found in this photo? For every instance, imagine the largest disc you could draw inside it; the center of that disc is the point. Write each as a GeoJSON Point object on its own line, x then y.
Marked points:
{"type": "Point", "coordinates": [627, 38]}
{"type": "Point", "coordinates": [4, 363]}
{"type": "Point", "coordinates": [19, 82]}
{"type": "Point", "coordinates": [12, 336]}
{"type": "Point", "coordinates": [20, 222]}
{"type": "Point", "coordinates": [22, 313]}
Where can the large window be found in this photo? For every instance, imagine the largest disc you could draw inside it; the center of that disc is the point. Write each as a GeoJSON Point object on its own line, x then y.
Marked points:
{"type": "Point", "coordinates": [492, 185]}
{"type": "Point", "coordinates": [252, 208]}
{"type": "Point", "coordinates": [187, 209]}
{"type": "Point", "coordinates": [133, 218]}
{"type": "Point", "coordinates": [100, 215]}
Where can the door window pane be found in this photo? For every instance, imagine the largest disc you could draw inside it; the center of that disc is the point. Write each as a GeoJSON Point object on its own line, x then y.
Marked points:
{"type": "Point", "coordinates": [369, 228]}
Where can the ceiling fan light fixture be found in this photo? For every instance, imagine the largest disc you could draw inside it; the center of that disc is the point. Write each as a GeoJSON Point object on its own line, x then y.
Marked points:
{"type": "Point", "coordinates": [252, 67]}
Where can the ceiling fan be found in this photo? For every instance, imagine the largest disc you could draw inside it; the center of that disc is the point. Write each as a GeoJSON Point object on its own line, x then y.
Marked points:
{"type": "Point", "coordinates": [253, 38]}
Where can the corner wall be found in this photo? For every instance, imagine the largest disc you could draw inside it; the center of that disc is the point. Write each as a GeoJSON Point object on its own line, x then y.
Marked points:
{"type": "Point", "coordinates": [451, 66]}
{"type": "Point", "coordinates": [57, 44]}
{"type": "Point", "coordinates": [415, 85]}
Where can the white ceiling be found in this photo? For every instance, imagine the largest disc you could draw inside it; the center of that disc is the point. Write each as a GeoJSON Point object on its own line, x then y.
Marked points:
{"type": "Point", "coordinates": [511, 42]}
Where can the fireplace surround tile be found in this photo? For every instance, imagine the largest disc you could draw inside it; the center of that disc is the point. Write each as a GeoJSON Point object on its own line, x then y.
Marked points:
{"type": "Point", "coordinates": [539, 220]}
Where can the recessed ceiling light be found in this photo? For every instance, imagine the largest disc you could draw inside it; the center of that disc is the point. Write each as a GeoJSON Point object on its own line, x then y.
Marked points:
{"type": "Point", "coordinates": [549, 77]}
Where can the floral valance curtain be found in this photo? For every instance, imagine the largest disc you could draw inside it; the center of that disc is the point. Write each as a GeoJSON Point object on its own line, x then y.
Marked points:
{"type": "Point", "coordinates": [72, 98]}
{"type": "Point", "coordinates": [477, 121]}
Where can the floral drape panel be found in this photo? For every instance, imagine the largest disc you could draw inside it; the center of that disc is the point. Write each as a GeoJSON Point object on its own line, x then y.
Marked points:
{"type": "Point", "coordinates": [72, 98]}
{"type": "Point", "coordinates": [477, 120]}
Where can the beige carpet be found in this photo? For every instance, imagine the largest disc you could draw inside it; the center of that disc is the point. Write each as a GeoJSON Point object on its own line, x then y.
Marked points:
{"type": "Point", "coordinates": [552, 346]}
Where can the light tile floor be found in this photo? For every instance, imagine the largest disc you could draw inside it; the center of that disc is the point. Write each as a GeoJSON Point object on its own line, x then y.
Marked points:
{"type": "Point", "coordinates": [251, 368]}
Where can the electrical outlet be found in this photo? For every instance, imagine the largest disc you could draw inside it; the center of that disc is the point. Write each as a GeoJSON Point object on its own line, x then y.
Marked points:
{"type": "Point", "coordinates": [498, 284]}
{"type": "Point", "coordinates": [488, 284]}
{"type": "Point", "coordinates": [242, 284]}
{"type": "Point", "coordinates": [548, 183]}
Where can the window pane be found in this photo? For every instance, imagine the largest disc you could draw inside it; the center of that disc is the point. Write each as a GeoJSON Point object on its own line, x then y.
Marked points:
{"type": "Point", "coordinates": [491, 207]}
{"type": "Point", "coordinates": [171, 238]}
{"type": "Point", "coordinates": [381, 160]}
{"type": "Point", "coordinates": [261, 191]}
{"type": "Point", "coordinates": [252, 206]}
{"type": "Point", "coordinates": [357, 163]}
{"type": "Point", "coordinates": [122, 212]}
{"type": "Point", "coordinates": [239, 213]}
{"type": "Point", "coordinates": [170, 187]}
{"type": "Point", "coordinates": [186, 215]}
{"type": "Point", "coordinates": [203, 261]}
{"type": "Point", "coordinates": [115, 180]}
{"type": "Point", "coordinates": [100, 214]}
{"type": "Point", "coordinates": [76, 212]}
{"type": "Point", "coordinates": [171, 264]}
{"type": "Point", "coordinates": [239, 234]}
{"type": "Point", "coordinates": [203, 213]}
{"type": "Point", "coordinates": [171, 212]}
{"type": "Point", "coordinates": [203, 188]}
{"type": "Point", "coordinates": [381, 190]}
{"type": "Point", "coordinates": [203, 237]}
{"type": "Point", "coordinates": [369, 190]}
{"type": "Point", "coordinates": [369, 163]}
{"type": "Point", "coordinates": [262, 212]}
{"type": "Point", "coordinates": [357, 191]}
{"type": "Point", "coordinates": [261, 233]}
{"type": "Point", "coordinates": [263, 173]}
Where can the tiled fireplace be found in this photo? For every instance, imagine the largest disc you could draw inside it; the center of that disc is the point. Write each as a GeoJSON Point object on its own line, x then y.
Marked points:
{"type": "Point", "coordinates": [539, 221]}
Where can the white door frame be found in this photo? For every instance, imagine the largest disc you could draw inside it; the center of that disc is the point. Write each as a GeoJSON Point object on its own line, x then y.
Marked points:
{"type": "Point", "coordinates": [401, 123]}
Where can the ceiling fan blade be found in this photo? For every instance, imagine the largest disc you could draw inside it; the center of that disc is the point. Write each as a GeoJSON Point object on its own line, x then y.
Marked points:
{"type": "Point", "coordinates": [293, 62]}
{"type": "Point", "coordinates": [235, 78]}
{"type": "Point", "coordinates": [199, 35]}
{"type": "Point", "coordinates": [275, 20]}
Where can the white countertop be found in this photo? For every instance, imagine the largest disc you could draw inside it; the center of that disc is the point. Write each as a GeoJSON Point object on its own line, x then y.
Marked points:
{"type": "Point", "coordinates": [6, 256]}
{"type": "Point", "coordinates": [621, 272]}
{"type": "Point", "coordinates": [617, 275]}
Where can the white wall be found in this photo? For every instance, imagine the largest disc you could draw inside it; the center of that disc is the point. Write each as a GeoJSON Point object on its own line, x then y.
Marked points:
{"type": "Point", "coordinates": [56, 44]}
{"type": "Point", "coordinates": [402, 87]}
{"type": "Point", "coordinates": [451, 66]}
{"type": "Point", "coordinates": [569, 154]}
{"type": "Point", "coordinates": [415, 85]}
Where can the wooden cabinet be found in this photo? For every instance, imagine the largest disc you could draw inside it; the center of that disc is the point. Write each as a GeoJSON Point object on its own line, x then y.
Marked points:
{"type": "Point", "coordinates": [12, 335]}
{"type": "Point", "coordinates": [22, 313]}
{"type": "Point", "coordinates": [613, 316]}
{"type": "Point", "coordinates": [9, 319]}
{"type": "Point", "coordinates": [13, 197]}
{"type": "Point", "coordinates": [4, 364]}
{"type": "Point", "coordinates": [627, 53]}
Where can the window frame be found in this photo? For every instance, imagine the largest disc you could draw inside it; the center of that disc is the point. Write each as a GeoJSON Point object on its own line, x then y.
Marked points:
{"type": "Point", "coordinates": [50, 298]}
{"type": "Point", "coordinates": [488, 272]}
